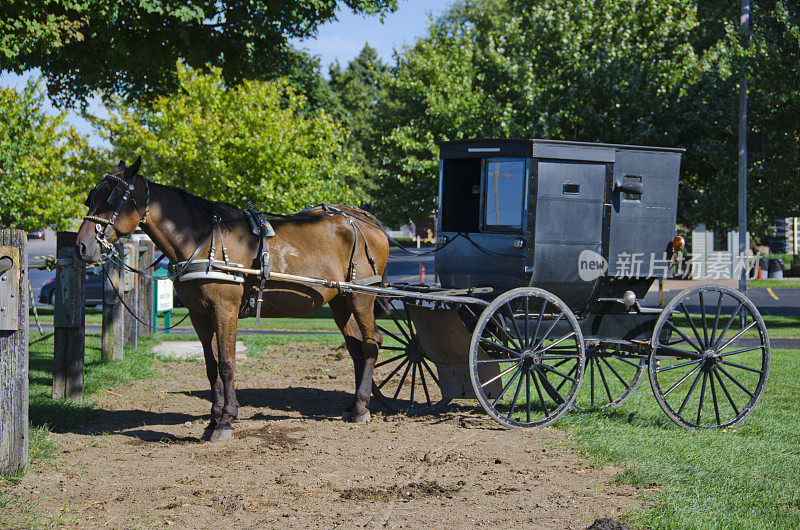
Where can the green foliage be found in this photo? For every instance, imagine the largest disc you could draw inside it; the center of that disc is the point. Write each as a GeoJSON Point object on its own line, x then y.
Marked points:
{"type": "Point", "coordinates": [131, 48]}
{"type": "Point", "coordinates": [359, 91]}
{"type": "Point", "coordinates": [39, 177]}
{"type": "Point", "coordinates": [254, 143]}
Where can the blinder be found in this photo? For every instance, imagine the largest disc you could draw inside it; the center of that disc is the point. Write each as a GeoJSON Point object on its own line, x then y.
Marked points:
{"type": "Point", "coordinates": [121, 193]}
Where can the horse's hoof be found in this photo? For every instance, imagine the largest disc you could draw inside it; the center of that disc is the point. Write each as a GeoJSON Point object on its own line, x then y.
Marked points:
{"type": "Point", "coordinates": [351, 417]}
{"type": "Point", "coordinates": [219, 434]}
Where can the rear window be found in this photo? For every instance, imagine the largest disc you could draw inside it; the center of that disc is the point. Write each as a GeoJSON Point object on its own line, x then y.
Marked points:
{"type": "Point", "coordinates": [505, 192]}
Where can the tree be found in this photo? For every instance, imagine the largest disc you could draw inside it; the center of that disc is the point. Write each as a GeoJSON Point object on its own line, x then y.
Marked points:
{"type": "Point", "coordinates": [250, 144]}
{"type": "Point", "coordinates": [359, 92]}
{"type": "Point", "coordinates": [131, 48]}
{"type": "Point", "coordinates": [39, 176]}
{"type": "Point", "coordinates": [592, 70]}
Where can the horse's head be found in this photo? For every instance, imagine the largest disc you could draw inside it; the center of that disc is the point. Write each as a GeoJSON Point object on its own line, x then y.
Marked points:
{"type": "Point", "coordinates": [117, 205]}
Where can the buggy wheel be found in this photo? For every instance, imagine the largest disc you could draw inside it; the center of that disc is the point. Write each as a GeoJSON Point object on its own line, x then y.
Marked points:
{"type": "Point", "coordinates": [710, 357]}
{"type": "Point", "coordinates": [610, 378]}
{"type": "Point", "coordinates": [526, 358]}
{"type": "Point", "coordinates": [405, 379]}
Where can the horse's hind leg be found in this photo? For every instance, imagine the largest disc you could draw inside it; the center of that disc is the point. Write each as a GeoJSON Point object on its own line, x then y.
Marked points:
{"type": "Point", "coordinates": [205, 332]}
{"type": "Point", "coordinates": [364, 350]}
{"type": "Point", "coordinates": [343, 316]}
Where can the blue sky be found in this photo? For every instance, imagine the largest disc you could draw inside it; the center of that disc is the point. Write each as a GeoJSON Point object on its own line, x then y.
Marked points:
{"type": "Point", "coordinates": [338, 40]}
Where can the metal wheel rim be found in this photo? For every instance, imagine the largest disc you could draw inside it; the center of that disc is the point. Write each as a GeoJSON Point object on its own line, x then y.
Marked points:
{"type": "Point", "coordinates": [418, 376]}
{"type": "Point", "coordinates": [707, 361]}
{"type": "Point", "coordinates": [538, 381]}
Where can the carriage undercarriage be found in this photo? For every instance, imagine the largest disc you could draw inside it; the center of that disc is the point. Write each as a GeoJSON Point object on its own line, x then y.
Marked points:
{"type": "Point", "coordinates": [528, 359]}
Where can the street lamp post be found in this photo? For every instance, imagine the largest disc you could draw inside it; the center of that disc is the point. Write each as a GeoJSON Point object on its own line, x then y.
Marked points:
{"type": "Point", "coordinates": [745, 25]}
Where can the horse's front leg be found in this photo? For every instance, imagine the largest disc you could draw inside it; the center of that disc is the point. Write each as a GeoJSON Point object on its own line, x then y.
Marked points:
{"type": "Point", "coordinates": [203, 325]}
{"type": "Point", "coordinates": [225, 328]}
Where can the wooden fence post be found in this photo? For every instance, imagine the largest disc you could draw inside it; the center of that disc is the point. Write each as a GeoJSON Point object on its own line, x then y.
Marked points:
{"type": "Point", "coordinates": [69, 318]}
{"type": "Point", "coordinates": [13, 351]}
{"type": "Point", "coordinates": [128, 290]}
{"type": "Point", "coordinates": [144, 305]}
{"type": "Point", "coordinates": [113, 321]}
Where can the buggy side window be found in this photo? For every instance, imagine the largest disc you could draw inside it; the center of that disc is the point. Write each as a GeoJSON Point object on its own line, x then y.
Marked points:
{"type": "Point", "coordinates": [461, 194]}
{"type": "Point", "coordinates": [505, 193]}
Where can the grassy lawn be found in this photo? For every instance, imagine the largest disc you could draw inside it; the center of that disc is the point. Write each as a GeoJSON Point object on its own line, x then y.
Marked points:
{"type": "Point", "coordinates": [742, 477]}
{"type": "Point", "coordinates": [780, 284]}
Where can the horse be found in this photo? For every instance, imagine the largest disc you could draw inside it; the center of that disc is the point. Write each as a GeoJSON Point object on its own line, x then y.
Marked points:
{"type": "Point", "coordinates": [332, 242]}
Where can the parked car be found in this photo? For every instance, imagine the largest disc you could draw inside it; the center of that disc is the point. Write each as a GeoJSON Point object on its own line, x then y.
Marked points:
{"type": "Point", "coordinates": [93, 285]}
{"type": "Point", "coordinates": [37, 234]}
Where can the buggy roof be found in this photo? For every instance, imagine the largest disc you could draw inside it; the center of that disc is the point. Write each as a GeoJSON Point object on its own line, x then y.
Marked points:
{"type": "Point", "coordinates": [537, 148]}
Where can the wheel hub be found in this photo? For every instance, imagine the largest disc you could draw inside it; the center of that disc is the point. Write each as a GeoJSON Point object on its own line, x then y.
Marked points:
{"type": "Point", "coordinates": [711, 357]}
{"type": "Point", "coordinates": [414, 352]}
{"type": "Point", "coordinates": [529, 358]}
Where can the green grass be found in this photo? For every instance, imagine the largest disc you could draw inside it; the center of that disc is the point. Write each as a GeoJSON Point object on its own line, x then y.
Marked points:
{"type": "Point", "coordinates": [780, 284]}
{"type": "Point", "coordinates": [741, 477]}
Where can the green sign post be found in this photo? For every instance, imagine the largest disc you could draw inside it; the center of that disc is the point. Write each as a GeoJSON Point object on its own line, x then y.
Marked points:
{"type": "Point", "coordinates": [162, 300]}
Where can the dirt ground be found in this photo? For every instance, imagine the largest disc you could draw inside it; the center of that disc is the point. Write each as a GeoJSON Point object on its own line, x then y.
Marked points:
{"type": "Point", "coordinates": [293, 463]}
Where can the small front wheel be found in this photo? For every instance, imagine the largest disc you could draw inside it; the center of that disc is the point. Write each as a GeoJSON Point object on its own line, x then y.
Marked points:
{"type": "Point", "coordinates": [526, 358]}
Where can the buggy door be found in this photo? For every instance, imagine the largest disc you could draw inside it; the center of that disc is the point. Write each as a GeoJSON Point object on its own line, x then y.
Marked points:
{"type": "Point", "coordinates": [483, 213]}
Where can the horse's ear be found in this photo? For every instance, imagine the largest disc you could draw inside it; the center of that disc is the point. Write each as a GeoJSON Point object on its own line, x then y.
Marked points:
{"type": "Point", "coordinates": [120, 168]}
{"type": "Point", "coordinates": [134, 169]}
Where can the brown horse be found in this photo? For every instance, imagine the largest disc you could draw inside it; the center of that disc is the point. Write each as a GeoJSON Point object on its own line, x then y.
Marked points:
{"type": "Point", "coordinates": [316, 244]}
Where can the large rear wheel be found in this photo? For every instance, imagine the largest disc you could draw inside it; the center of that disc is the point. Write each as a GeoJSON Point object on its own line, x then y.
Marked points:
{"type": "Point", "coordinates": [526, 358]}
{"type": "Point", "coordinates": [710, 357]}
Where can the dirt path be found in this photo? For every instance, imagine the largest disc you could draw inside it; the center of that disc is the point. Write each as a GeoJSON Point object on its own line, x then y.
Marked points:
{"type": "Point", "coordinates": [294, 463]}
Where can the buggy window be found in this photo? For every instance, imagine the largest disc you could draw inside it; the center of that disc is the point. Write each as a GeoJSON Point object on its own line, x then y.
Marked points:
{"type": "Point", "coordinates": [505, 192]}
{"type": "Point", "coordinates": [461, 194]}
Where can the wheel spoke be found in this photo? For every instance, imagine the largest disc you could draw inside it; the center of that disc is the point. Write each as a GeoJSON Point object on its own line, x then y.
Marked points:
{"type": "Point", "coordinates": [743, 350]}
{"type": "Point", "coordinates": [527, 396]}
{"type": "Point", "coordinates": [682, 380]}
{"type": "Point", "coordinates": [716, 318]}
{"type": "Point", "coordinates": [516, 396]}
{"type": "Point", "coordinates": [505, 388]}
{"type": "Point", "coordinates": [541, 397]}
{"type": "Point", "coordinates": [395, 337]}
{"type": "Point", "coordinates": [424, 383]}
{"type": "Point", "coordinates": [691, 389]}
{"type": "Point", "coordinates": [750, 325]}
{"type": "Point", "coordinates": [702, 395]}
{"type": "Point", "coordinates": [576, 356]}
{"type": "Point", "coordinates": [727, 394]}
{"type": "Point", "coordinates": [402, 380]}
{"type": "Point", "coordinates": [559, 341]}
{"type": "Point", "coordinates": [503, 329]}
{"type": "Point", "coordinates": [610, 367]}
{"type": "Point", "coordinates": [427, 367]}
{"type": "Point", "coordinates": [527, 318]}
{"type": "Point", "coordinates": [728, 326]}
{"type": "Point", "coordinates": [501, 374]}
{"type": "Point", "coordinates": [548, 387]}
{"type": "Point", "coordinates": [678, 352]}
{"type": "Point", "coordinates": [591, 369]}
{"type": "Point", "coordinates": [736, 381]}
{"type": "Point", "coordinates": [743, 367]}
{"type": "Point", "coordinates": [413, 381]}
{"type": "Point", "coordinates": [546, 333]}
{"type": "Point", "coordinates": [563, 381]}
{"type": "Point", "coordinates": [557, 372]}
{"type": "Point", "coordinates": [679, 365]}
{"type": "Point", "coordinates": [605, 383]}
{"type": "Point", "coordinates": [520, 342]}
{"type": "Point", "coordinates": [387, 361]}
{"type": "Point", "coordinates": [393, 348]}
{"type": "Point", "coordinates": [505, 360]}
{"type": "Point", "coordinates": [691, 323]}
{"type": "Point", "coordinates": [683, 336]}
{"type": "Point", "coordinates": [705, 323]}
{"type": "Point", "coordinates": [388, 377]}
{"type": "Point", "coordinates": [400, 326]}
{"type": "Point", "coordinates": [485, 341]}
{"type": "Point", "coordinates": [714, 397]}
{"type": "Point", "coordinates": [623, 359]}
{"type": "Point", "coordinates": [539, 323]}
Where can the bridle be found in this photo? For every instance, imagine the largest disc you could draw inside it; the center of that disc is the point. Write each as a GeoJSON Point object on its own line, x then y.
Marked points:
{"type": "Point", "coordinates": [121, 193]}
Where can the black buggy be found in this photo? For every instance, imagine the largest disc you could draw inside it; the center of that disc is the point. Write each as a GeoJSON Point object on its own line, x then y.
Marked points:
{"type": "Point", "coordinates": [545, 249]}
